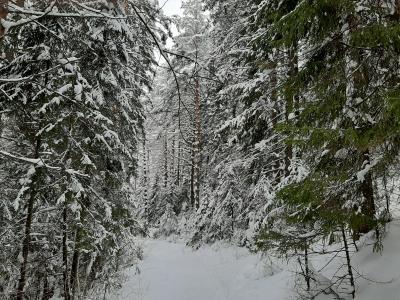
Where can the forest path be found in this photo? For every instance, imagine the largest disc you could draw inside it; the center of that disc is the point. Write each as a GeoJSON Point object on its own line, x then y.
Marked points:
{"type": "Point", "coordinates": [173, 271]}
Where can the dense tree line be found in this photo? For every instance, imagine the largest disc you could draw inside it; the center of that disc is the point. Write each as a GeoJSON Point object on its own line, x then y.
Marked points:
{"type": "Point", "coordinates": [272, 124]}
{"type": "Point", "coordinates": [72, 74]}
{"type": "Point", "coordinates": [299, 131]}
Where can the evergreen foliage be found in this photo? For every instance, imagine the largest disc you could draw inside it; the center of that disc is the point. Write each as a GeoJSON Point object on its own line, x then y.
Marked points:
{"type": "Point", "coordinates": [71, 84]}
{"type": "Point", "coordinates": [272, 124]}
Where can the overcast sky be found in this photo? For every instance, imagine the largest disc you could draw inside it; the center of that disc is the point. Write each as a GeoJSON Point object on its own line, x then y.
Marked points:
{"type": "Point", "coordinates": [172, 7]}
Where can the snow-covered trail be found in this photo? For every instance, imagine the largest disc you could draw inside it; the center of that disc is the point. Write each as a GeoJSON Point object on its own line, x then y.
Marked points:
{"type": "Point", "coordinates": [172, 271]}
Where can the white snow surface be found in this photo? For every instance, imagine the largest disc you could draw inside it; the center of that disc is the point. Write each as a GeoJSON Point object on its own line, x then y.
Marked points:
{"type": "Point", "coordinates": [172, 271]}
{"type": "Point", "coordinates": [381, 271]}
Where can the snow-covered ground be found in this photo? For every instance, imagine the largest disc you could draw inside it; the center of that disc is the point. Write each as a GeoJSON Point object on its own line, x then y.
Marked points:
{"type": "Point", "coordinates": [380, 273]}
{"type": "Point", "coordinates": [172, 271]}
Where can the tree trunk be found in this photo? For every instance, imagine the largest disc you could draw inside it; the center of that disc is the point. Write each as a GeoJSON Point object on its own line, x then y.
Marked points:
{"type": "Point", "coordinates": [145, 192]}
{"type": "Point", "coordinates": [178, 170]}
{"type": "Point", "coordinates": [74, 279]}
{"type": "Point", "coordinates": [368, 206]}
{"type": "Point", "coordinates": [197, 144]}
{"type": "Point", "coordinates": [348, 261]}
{"type": "Point", "coordinates": [354, 84]}
{"type": "Point", "coordinates": [74, 282]}
{"type": "Point", "coordinates": [172, 161]}
{"type": "Point", "coordinates": [307, 268]}
{"type": "Point", "coordinates": [148, 164]}
{"type": "Point", "coordinates": [165, 161]}
{"type": "Point", "coordinates": [276, 163]}
{"type": "Point", "coordinates": [397, 9]}
{"type": "Point", "coordinates": [28, 225]}
{"type": "Point", "coordinates": [291, 103]}
{"type": "Point", "coordinates": [3, 15]}
{"type": "Point", "coordinates": [192, 192]}
{"type": "Point", "coordinates": [48, 292]}
{"type": "Point", "coordinates": [67, 294]}
{"type": "Point", "coordinates": [388, 217]}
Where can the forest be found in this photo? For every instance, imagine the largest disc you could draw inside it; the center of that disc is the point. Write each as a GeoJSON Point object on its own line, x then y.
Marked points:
{"type": "Point", "coordinates": [269, 127]}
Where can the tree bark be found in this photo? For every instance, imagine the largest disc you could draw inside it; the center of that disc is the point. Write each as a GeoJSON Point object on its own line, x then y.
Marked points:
{"type": "Point", "coordinates": [3, 15]}
{"type": "Point", "coordinates": [145, 179]}
{"type": "Point", "coordinates": [48, 292]}
{"type": "Point", "coordinates": [291, 103]}
{"type": "Point", "coordinates": [67, 291]}
{"type": "Point", "coordinates": [397, 9]}
{"type": "Point", "coordinates": [165, 162]}
{"type": "Point", "coordinates": [197, 143]}
{"type": "Point", "coordinates": [192, 184]}
{"type": "Point", "coordinates": [388, 217]}
{"type": "Point", "coordinates": [148, 163]}
{"type": "Point", "coordinates": [307, 268]}
{"type": "Point", "coordinates": [28, 226]}
{"type": "Point", "coordinates": [354, 87]}
{"type": "Point", "coordinates": [74, 280]}
{"type": "Point", "coordinates": [172, 161]}
{"type": "Point", "coordinates": [368, 206]}
{"type": "Point", "coordinates": [178, 170]}
{"type": "Point", "coordinates": [348, 261]}
{"type": "Point", "coordinates": [273, 83]}
{"type": "Point", "coordinates": [74, 277]}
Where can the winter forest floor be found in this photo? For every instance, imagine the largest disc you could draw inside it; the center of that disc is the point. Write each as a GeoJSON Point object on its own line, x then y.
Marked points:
{"type": "Point", "coordinates": [172, 271]}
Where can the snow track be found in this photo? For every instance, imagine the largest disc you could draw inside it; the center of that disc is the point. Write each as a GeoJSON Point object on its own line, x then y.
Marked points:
{"type": "Point", "coordinates": [172, 271]}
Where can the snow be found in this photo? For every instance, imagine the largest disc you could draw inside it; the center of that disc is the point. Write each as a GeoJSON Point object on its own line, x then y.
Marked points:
{"type": "Point", "coordinates": [20, 158]}
{"type": "Point", "coordinates": [367, 168]}
{"type": "Point", "coordinates": [377, 275]}
{"type": "Point", "coordinates": [382, 271]}
{"type": "Point", "coordinates": [173, 271]}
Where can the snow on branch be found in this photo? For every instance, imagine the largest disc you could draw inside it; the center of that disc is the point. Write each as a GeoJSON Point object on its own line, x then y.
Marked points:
{"type": "Point", "coordinates": [26, 78]}
{"type": "Point", "coordinates": [40, 162]}
{"type": "Point", "coordinates": [93, 13]}
{"type": "Point", "coordinates": [35, 161]}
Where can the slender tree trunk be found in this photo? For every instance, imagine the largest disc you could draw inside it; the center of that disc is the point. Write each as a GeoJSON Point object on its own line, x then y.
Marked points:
{"type": "Point", "coordinates": [368, 206]}
{"type": "Point", "coordinates": [387, 198]}
{"type": "Point", "coordinates": [74, 280]}
{"type": "Point", "coordinates": [67, 294]}
{"type": "Point", "coordinates": [197, 143]}
{"type": "Point", "coordinates": [165, 162]}
{"type": "Point", "coordinates": [148, 164]}
{"type": "Point", "coordinates": [348, 261]}
{"type": "Point", "coordinates": [192, 174]}
{"type": "Point", "coordinates": [3, 15]}
{"type": "Point", "coordinates": [145, 192]}
{"type": "Point", "coordinates": [273, 83]}
{"type": "Point", "coordinates": [172, 163]}
{"type": "Point", "coordinates": [74, 277]}
{"type": "Point", "coordinates": [48, 292]}
{"type": "Point", "coordinates": [28, 226]}
{"type": "Point", "coordinates": [135, 178]}
{"type": "Point", "coordinates": [355, 81]}
{"type": "Point", "coordinates": [307, 268]}
{"type": "Point", "coordinates": [291, 103]}
{"type": "Point", "coordinates": [178, 170]}
{"type": "Point", "coordinates": [397, 9]}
